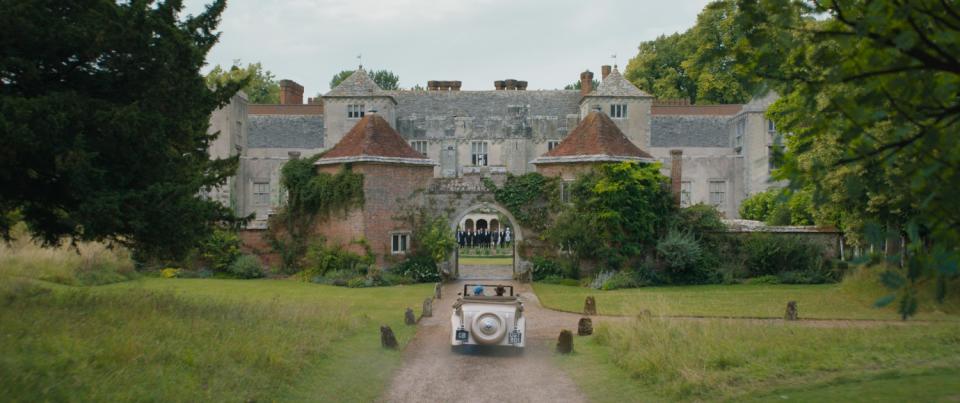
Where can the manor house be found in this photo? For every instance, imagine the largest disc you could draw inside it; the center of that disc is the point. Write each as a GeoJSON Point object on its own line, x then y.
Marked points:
{"type": "Point", "coordinates": [724, 151]}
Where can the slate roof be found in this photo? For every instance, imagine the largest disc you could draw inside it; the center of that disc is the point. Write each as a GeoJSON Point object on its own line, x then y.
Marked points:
{"type": "Point", "coordinates": [359, 84]}
{"type": "Point", "coordinates": [596, 138]}
{"type": "Point", "coordinates": [483, 104]}
{"type": "Point", "coordinates": [615, 85]}
{"type": "Point", "coordinates": [373, 140]}
{"type": "Point", "coordinates": [285, 131]}
{"type": "Point", "coordinates": [689, 131]}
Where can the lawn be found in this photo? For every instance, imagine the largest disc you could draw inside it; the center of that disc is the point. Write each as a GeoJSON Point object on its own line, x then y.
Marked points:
{"type": "Point", "coordinates": [491, 261]}
{"type": "Point", "coordinates": [661, 359]}
{"type": "Point", "coordinates": [821, 301]}
{"type": "Point", "coordinates": [198, 340]}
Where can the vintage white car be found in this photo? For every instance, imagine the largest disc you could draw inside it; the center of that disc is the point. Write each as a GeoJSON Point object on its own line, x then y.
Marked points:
{"type": "Point", "coordinates": [486, 315]}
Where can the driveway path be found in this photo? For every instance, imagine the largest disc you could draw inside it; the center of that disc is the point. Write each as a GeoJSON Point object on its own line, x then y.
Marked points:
{"type": "Point", "coordinates": [431, 372]}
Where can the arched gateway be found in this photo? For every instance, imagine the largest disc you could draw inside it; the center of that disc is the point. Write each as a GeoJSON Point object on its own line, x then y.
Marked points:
{"type": "Point", "coordinates": [517, 234]}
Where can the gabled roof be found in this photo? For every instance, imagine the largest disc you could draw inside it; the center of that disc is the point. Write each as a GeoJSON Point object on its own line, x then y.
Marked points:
{"type": "Point", "coordinates": [595, 139]}
{"type": "Point", "coordinates": [373, 140]}
{"type": "Point", "coordinates": [358, 84]}
{"type": "Point", "coordinates": [615, 85]}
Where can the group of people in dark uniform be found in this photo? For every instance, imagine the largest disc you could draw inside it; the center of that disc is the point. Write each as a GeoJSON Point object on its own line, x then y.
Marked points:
{"type": "Point", "coordinates": [483, 238]}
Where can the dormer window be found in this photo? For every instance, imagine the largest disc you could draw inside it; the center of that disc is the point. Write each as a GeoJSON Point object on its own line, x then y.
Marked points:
{"type": "Point", "coordinates": [355, 111]}
{"type": "Point", "coordinates": [618, 111]}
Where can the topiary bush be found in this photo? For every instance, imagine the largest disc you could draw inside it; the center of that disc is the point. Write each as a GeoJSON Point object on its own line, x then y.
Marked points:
{"type": "Point", "coordinates": [246, 266]}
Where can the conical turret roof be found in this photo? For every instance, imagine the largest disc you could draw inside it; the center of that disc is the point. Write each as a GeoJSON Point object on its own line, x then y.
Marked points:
{"type": "Point", "coordinates": [373, 140]}
{"type": "Point", "coordinates": [596, 138]}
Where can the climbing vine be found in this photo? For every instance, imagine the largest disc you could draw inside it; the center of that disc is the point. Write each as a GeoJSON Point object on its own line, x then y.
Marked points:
{"type": "Point", "coordinates": [529, 197]}
{"type": "Point", "coordinates": [311, 198]}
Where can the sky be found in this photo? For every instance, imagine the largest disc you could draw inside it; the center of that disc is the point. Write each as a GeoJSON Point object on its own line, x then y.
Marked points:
{"type": "Point", "coordinates": [546, 43]}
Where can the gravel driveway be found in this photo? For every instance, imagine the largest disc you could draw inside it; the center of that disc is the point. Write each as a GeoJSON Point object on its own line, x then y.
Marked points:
{"type": "Point", "coordinates": [431, 372]}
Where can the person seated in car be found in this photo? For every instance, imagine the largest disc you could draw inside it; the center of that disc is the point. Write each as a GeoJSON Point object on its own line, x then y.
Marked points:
{"type": "Point", "coordinates": [478, 291]}
{"type": "Point", "coordinates": [500, 290]}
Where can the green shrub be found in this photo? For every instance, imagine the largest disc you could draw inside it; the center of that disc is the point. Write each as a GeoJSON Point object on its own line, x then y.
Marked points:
{"type": "Point", "coordinates": [760, 206]}
{"type": "Point", "coordinates": [246, 266]}
{"type": "Point", "coordinates": [683, 259]}
{"type": "Point", "coordinates": [699, 219]}
{"type": "Point", "coordinates": [544, 268]}
{"type": "Point", "coordinates": [421, 268]}
{"type": "Point", "coordinates": [321, 260]}
{"type": "Point", "coordinates": [621, 279]}
{"type": "Point", "coordinates": [220, 250]}
{"type": "Point", "coordinates": [357, 282]}
{"type": "Point", "coordinates": [772, 254]}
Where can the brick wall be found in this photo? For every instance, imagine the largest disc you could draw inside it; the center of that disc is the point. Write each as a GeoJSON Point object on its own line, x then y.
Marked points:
{"type": "Point", "coordinates": [383, 184]}
{"type": "Point", "coordinates": [253, 242]}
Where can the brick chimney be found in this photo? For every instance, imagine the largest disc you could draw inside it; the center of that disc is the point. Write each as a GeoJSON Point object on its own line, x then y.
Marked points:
{"type": "Point", "coordinates": [676, 175]}
{"type": "Point", "coordinates": [604, 71]}
{"type": "Point", "coordinates": [586, 82]}
{"type": "Point", "coordinates": [499, 85]}
{"type": "Point", "coordinates": [291, 93]}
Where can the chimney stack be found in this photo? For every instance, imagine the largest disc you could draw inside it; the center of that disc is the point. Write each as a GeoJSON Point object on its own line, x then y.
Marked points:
{"type": "Point", "coordinates": [499, 85]}
{"type": "Point", "coordinates": [604, 71]}
{"type": "Point", "coordinates": [437, 85]}
{"type": "Point", "coordinates": [291, 93]}
{"type": "Point", "coordinates": [586, 82]}
{"type": "Point", "coordinates": [676, 175]}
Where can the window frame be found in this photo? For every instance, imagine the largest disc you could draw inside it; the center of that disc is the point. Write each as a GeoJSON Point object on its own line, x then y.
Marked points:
{"type": "Point", "coordinates": [720, 190]}
{"type": "Point", "coordinates": [551, 144]}
{"type": "Point", "coordinates": [399, 243]}
{"type": "Point", "coordinates": [618, 111]}
{"type": "Point", "coordinates": [261, 197]}
{"type": "Point", "coordinates": [355, 111]}
{"type": "Point", "coordinates": [415, 145]}
{"type": "Point", "coordinates": [479, 152]}
{"type": "Point", "coordinates": [686, 193]}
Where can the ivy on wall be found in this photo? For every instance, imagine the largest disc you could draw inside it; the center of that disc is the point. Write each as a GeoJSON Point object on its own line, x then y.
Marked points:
{"type": "Point", "coordinates": [529, 197]}
{"type": "Point", "coordinates": [311, 198]}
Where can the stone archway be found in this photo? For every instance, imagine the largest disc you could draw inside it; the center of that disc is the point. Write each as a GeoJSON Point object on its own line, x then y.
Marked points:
{"type": "Point", "coordinates": [517, 235]}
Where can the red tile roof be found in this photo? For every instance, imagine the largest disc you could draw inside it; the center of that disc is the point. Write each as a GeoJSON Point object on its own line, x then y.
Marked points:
{"type": "Point", "coordinates": [596, 136]}
{"type": "Point", "coordinates": [372, 139]}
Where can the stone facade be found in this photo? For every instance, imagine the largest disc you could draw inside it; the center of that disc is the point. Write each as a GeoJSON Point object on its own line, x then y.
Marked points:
{"type": "Point", "coordinates": [471, 134]}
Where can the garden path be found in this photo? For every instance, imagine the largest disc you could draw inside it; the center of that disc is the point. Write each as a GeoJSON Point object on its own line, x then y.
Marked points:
{"type": "Point", "coordinates": [486, 272]}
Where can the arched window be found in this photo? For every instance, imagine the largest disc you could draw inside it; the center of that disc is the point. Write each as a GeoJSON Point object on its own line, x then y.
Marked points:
{"type": "Point", "coordinates": [468, 225]}
{"type": "Point", "coordinates": [481, 224]}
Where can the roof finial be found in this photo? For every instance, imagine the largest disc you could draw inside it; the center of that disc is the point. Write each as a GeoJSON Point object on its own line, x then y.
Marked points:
{"type": "Point", "coordinates": [614, 57]}
{"type": "Point", "coordinates": [360, 60]}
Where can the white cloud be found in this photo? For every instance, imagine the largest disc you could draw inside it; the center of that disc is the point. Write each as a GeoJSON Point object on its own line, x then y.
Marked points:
{"type": "Point", "coordinates": [546, 43]}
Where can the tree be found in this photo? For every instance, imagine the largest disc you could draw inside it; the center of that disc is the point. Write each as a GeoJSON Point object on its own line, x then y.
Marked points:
{"type": "Point", "coordinates": [578, 85]}
{"type": "Point", "coordinates": [618, 212]}
{"type": "Point", "coordinates": [262, 87]}
{"type": "Point", "coordinates": [658, 68]}
{"type": "Point", "coordinates": [103, 120]}
{"type": "Point", "coordinates": [699, 64]}
{"type": "Point", "coordinates": [871, 94]}
{"type": "Point", "coordinates": [385, 79]}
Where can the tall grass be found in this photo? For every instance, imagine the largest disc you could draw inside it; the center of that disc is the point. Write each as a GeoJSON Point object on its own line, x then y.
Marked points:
{"type": "Point", "coordinates": [88, 263]}
{"type": "Point", "coordinates": [717, 360]}
{"type": "Point", "coordinates": [141, 345]}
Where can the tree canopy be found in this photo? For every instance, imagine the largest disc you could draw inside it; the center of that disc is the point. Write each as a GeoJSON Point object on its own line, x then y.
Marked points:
{"type": "Point", "coordinates": [103, 120]}
{"type": "Point", "coordinates": [699, 64]}
{"type": "Point", "coordinates": [262, 86]}
{"type": "Point", "coordinates": [384, 78]}
{"type": "Point", "coordinates": [870, 92]}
